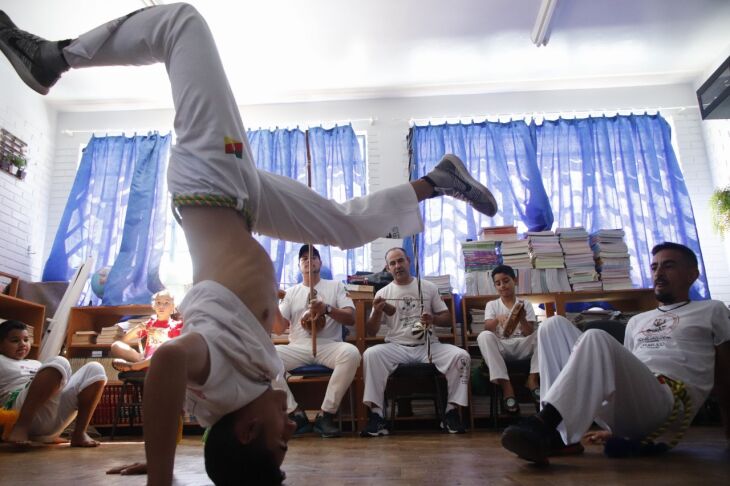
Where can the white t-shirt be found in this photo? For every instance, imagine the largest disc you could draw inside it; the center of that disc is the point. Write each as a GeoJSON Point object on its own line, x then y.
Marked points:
{"type": "Point", "coordinates": [408, 309]}
{"type": "Point", "coordinates": [243, 360]}
{"type": "Point", "coordinates": [496, 308]}
{"type": "Point", "coordinates": [294, 305]}
{"type": "Point", "coordinates": [14, 375]}
{"type": "Point", "coordinates": [680, 343]}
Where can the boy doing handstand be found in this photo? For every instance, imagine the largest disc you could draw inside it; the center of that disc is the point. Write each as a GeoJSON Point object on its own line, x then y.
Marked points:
{"type": "Point", "coordinates": [221, 367]}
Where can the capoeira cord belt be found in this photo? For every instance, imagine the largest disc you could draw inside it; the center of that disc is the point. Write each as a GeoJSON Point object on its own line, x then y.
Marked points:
{"type": "Point", "coordinates": [209, 200]}
{"type": "Point", "coordinates": [681, 399]}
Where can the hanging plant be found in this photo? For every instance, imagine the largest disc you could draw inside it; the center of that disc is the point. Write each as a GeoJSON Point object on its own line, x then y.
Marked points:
{"type": "Point", "coordinates": [720, 206]}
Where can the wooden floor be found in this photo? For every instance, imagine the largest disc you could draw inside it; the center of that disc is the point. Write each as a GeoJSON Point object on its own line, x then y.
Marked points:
{"type": "Point", "coordinates": [408, 458]}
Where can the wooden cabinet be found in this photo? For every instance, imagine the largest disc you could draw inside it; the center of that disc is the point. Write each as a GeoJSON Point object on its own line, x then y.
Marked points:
{"type": "Point", "coordinates": [94, 319]}
{"type": "Point", "coordinates": [30, 313]}
{"type": "Point", "coordinates": [632, 300]}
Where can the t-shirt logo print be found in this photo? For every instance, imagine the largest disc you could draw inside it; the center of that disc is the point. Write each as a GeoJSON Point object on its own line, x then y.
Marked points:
{"type": "Point", "coordinates": [658, 332]}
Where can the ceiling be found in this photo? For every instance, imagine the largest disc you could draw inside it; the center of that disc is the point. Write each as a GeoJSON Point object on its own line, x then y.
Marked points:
{"type": "Point", "coordinates": [294, 50]}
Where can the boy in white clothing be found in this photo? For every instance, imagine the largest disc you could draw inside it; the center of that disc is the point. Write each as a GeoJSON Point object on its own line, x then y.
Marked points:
{"type": "Point", "coordinates": [629, 390]}
{"type": "Point", "coordinates": [46, 395]}
{"type": "Point", "coordinates": [509, 333]}
{"type": "Point", "coordinates": [222, 198]}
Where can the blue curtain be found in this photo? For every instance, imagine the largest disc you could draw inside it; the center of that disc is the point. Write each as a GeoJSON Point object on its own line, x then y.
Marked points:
{"type": "Point", "coordinates": [502, 157]}
{"type": "Point", "coordinates": [116, 214]}
{"type": "Point", "coordinates": [619, 172]}
{"type": "Point", "coordinates": [338, 172]}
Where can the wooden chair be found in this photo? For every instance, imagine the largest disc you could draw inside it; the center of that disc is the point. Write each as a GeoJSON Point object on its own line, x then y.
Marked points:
{"type": "Point", "coordinates": [415, 381]}
{"type": "Point", "coordinates": [321, 374]}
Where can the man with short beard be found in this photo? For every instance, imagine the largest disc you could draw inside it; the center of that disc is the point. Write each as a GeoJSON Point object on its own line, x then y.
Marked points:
{"type": "Point", "coordinates": [628, 390]}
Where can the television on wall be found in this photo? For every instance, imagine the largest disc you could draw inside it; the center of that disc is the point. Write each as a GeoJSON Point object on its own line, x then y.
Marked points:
{"type": "Point", "coordinates": [714, 94]}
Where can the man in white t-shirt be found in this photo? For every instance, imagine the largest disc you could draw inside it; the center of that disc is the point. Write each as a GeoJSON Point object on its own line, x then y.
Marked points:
{"type": "Point", "coordinates": [336, 308]}
{"type": "Point", "coordinates": [398, 305]}
{"type": "Point", "coordinates": [628, 389]}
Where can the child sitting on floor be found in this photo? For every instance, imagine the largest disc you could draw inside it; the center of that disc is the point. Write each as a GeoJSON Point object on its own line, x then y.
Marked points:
{"type": "Point", "coordinates": [158, 329]}
{"type": "Point", "coordinates": [47, 396]}
{"type": "Point", "coordinates": [509, 334]}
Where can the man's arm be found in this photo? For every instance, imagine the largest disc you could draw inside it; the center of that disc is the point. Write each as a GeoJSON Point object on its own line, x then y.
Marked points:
{"type": "Point", "coordinates": [442, 319]}
{"type": "Point", "coordinates": [380, 307]}
{"type": "Point", "coordinates": [173, 365]}
{"type": "Point", "coordinates": [722, 384]}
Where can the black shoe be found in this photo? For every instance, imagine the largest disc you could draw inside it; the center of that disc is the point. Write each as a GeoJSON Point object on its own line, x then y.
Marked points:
{"type": "Point", "coordinates": [38, 62]}
{"type": "Point", "coordinates": [530, 439]}
{"type": "Point", "coordinates": [304, 426]}
{"type": "Point", "coordinates": [324, 425]}
{"type": "Point", "coordinates": [558, 447]}
{"type": "Point", "coordinates": [376, 426]}
{"type": "Point", "coordinates": [452, 422]}
{"type": "Point", "coordinates": [451, 178]}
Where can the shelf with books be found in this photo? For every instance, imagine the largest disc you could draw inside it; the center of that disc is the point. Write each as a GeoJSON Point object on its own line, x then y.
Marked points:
{"type": "Point", "coordinates": [85, 319]}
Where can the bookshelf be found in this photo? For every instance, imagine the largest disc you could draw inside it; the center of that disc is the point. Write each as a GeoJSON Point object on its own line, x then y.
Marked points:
{"type": "Point", "coordinates": [28, 312]}
{"type": "Point", "coordinates": [94, 319]}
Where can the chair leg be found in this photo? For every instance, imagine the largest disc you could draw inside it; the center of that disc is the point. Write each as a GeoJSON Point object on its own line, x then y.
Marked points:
{"type": "Point", "coordinates": [353, 422]}
{"type": "Point", "coordinates": [118, 412]}
{"type": "Point", "coordinates": [440, 410]}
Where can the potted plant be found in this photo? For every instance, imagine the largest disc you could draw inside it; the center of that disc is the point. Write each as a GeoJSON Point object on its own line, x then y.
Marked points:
{"type": "Point", "coordinates": [720, 206]}
{"type": "Point", "coordinates": [5, 162]}
{"type": "Point", "coordinates": [20, 163]}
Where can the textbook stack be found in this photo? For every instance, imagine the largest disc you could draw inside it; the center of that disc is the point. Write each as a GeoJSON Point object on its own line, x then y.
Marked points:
{"type": "Point", "coordinates": [480, 257]}
{"type": "Point", "coordinates": [498, 233]}
{"type": "Point", "coordinates": [442, 282]}
{"type": "Point", "coordinates": [612, 258]}
{"type": "Point", "coordinates": [579, 262]}
{"type": "Point", "coordinates": [359, 291]}
{"type": "Point", "coordinates": [549, 273]}
{"type": "Point", "coordinates": [110, 334]}
{"type": "Point", "coordinates": [84, 337]}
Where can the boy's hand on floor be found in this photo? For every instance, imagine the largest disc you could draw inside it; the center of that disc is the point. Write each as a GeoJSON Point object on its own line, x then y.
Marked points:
{"type": "Point", "coordinates": [129, 469]}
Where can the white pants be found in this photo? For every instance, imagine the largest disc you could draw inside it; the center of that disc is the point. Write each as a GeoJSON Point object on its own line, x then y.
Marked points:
{"type": "Point", "coordinates": [591, 376]}
{"type": "Point", "coordinates": [212, 155]}
{"type": "Point", "coordinates": [495, 351]}
{"type": "Point", "coordinates": [343, 358]}
{"type": "Point", "coordinates": [55, 415]}
{"type": "Point", "coordinates": [381, 360]}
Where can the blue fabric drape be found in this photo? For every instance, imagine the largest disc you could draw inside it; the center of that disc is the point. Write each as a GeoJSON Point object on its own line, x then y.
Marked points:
{"type": "Point", "coordinates": [501, 156]}
{"type": "Point", "coordinates": [117, 203]}
{"type": "Point", "coordinates": [619, 172]}
{"type": "Point", "coordinates": [338, 172]}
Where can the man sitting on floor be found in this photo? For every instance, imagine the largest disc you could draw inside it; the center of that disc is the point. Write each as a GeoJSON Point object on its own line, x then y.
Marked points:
{"type": "Point", "coordinates": [666, 364]}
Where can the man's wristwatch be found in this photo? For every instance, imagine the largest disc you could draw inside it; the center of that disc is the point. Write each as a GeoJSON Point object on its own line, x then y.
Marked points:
{"type": "Point", "coordinates": [327, 309]}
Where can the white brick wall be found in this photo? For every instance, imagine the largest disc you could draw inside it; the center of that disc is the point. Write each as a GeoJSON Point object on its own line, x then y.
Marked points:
{"type": "Point", "coordinates": [24, 204]}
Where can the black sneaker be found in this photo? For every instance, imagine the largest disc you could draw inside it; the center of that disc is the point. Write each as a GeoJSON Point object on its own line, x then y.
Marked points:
{"type": "Point", "coordinates": [376, 426]}
{"type": "Point", "coordinates": [304, 426]}
{"type": "Point", "coordinates": [324, 425]}
{"type": "Point", "coordinates": [452, 422]}
{"type": "Point", "coordinates": [530, 439]}
{"type": "Point", "coordinates": [558, 448]}
{"type": "Point", "coordinates": [38, 62]}
{"type": "Point", "coordinates": [451, 178]}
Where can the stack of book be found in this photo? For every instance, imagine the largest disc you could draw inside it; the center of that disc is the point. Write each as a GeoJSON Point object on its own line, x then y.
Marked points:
{"type": "Point", "coordinates": [84, 337]}
{"type": "Point", "coordinates": [498, 233]}
{"type": "Point", "coordinates": [480, 257]}
{"type": "Point", "coordinates": [612, 258]}
{"type": "Point", "coordinates": [545, 250]}
{"type": "Point", "coordinates": [443, 282]}
{"type": "Point", "coordinates": [579, 261]}
{"type": "Point", "coordinates": [544, 280]}
{"type": "Point", "coordinates": [516, 254]}
{"type": "Point", "coordinates": [110, 334]}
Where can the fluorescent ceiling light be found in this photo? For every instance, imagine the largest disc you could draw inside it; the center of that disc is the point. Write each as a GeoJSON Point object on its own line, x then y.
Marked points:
{"type": "Point", "coordinates": [542, 25]}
